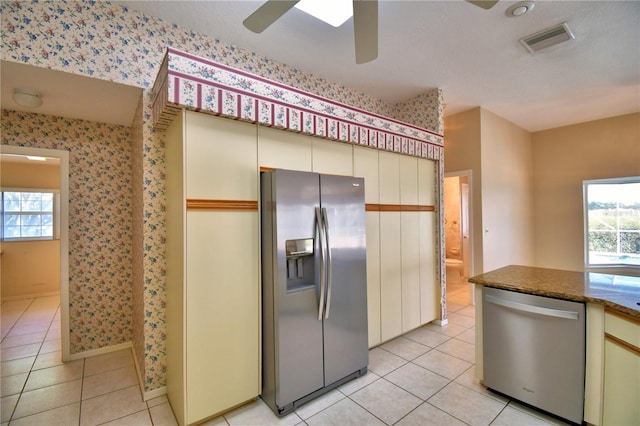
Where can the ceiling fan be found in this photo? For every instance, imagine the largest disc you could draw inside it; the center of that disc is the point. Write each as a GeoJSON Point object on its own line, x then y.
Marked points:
{"type": "Point", "coordinates": [365, 22]}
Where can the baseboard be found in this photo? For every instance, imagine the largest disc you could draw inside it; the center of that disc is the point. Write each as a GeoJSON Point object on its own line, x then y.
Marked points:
{"type": "Point", "coordinates": [100, 351]}
{"type": "Point", "coordinates": [30, 296]}
{"type": "Point", "coordinates": [441, 323]}
{"type": "Point", "coordinates": [153, 393]}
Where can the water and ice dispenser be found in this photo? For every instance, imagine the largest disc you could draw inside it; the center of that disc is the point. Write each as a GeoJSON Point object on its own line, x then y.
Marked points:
{"type": "Point", "coordinates": [300, 264]}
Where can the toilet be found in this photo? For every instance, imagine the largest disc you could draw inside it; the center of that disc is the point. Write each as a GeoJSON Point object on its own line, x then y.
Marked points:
{"type": "Point", "coordinates": [454, 271]}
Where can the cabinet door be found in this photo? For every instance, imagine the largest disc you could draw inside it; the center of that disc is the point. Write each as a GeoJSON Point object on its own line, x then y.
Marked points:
{"type": "Point", "coordinates": [222, 311]}
{"type": "Point", "coordinates": [365, 165]}
{"type": "Point", "coordinates": [410, 262]}
{"type": "Point", "coordinates": [426, 182]}
{"type": "Point", "coordinates": [621, 393]}
{"type": "Point", "coordinates": [220, 158]}
{"type": "Point", "coordinates": [373, 277]}
{"type": "Point", "coordinates": [390, 247]}
{"type": "Point", "coordinates": [334, 158]}
{"type": "Point", "coordinates": [621, 404]}
{"type": "Point", "coordinates": [429, 282]}
{"type": "Point", "coordinates": [389, 177]}
{"type": "Point", "coordinates": [390, 278]}
{"type": "Point", "coordinates": [410, 251]}
{"type": "Point", "coordinates": [280, 149]}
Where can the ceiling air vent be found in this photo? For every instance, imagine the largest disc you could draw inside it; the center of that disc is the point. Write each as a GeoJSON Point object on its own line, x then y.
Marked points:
{"type": "Point", "coordinates": [547, 38]}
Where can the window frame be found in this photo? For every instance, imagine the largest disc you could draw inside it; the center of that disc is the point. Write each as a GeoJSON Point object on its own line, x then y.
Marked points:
{"type": "Point", "coordinates": [55, 213]}
{"type": "Point", "coordinates": [585, 201]}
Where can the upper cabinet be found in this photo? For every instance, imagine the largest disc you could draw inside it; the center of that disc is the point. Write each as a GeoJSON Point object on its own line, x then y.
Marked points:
{"type": "Point", "coordinates": [278, 149]}
{"type": "Point", "coordinates": [221, 158]}
{"type": "Point", "coordinates": [333, 158]}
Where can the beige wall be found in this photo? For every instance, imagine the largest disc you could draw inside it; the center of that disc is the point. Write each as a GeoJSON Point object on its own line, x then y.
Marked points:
{"type": "Point", "coordinates": [20, 175]}
{"type": "Point", "coordinates": [507, 220]}
{"type": "Point", "coordinates": [30, 268]}
{"type": "Point", "coordinates": [498, 153]}
{"type": "Point", "coordinates": [562, 159]}
{"type": "Point", "coordinates": [462, 152]}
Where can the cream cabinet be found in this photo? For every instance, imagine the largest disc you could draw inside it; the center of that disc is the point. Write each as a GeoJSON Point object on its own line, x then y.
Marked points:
{"type": "Point", "coordinates": [390, 247]}
{"type": "Point", "coordinates": [365, 165]}
{"type": "Point", "coordinates": [213, 266]}
{"type": "Point", "coordinates": [410, 247]}
{"type": "Point", "coordinates": [429, 282]}
{"type": "Point", "coordinates": [401, 245]}
{"type": "Point", "coordinates": [278, 149]}
{"type": "Point", "coordinates": [621, 379]}
{"type": "Point", "coordinates": [333, 158]}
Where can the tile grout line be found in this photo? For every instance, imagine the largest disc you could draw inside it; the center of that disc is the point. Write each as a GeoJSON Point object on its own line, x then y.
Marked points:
{"type": "Point", "coordinates": [18, 320]}
{"type": "Point", "coordinates": [13, 412]}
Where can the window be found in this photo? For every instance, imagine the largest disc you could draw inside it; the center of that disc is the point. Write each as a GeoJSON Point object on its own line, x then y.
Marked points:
{"type": "Point", "coordinates": [28, 215]}
{"type": "Point", "coordinates": [612, 222]}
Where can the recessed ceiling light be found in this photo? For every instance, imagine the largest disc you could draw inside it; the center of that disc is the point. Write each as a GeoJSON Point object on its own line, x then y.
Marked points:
{"type": "Point", "coordinates": [27, 97]}
{"type": "Point", "coordinates": [333, 12]}
{"type": "Point", "coordinates": [520, 8]}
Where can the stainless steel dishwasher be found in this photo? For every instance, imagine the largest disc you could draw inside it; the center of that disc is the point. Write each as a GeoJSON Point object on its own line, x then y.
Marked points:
{"type": "Point", "coordinates": [534, 350]}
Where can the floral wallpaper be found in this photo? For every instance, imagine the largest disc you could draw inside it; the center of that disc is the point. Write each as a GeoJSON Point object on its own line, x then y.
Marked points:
{"type": "Point", "coordinates": [425, 110]}
{"type": "Point", "coordinates": [99, 220]}
{"type": "Point", "coordinates": [110, 42]}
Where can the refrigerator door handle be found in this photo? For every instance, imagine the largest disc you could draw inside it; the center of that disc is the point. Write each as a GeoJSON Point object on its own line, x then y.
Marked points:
{"type": "Point", "coordinates": [325, 217]}
{"type": "Point", "coordinates": [319, 225]}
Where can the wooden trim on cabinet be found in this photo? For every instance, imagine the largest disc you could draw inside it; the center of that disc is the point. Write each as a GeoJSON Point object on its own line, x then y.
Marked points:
{"type": "Point", "coordinates": [202, 204]}
{"type": "Point", "coordinates": [610, 311]}
{"type": "Point", "coordinates": [619, 342]}
{"type": "Point", "coordinates": [266, 169]}
{"type": "Point", "coordinates": [399, 208]}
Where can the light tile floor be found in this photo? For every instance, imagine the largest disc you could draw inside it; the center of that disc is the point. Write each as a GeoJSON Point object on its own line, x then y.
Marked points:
{"type": "Point", "coordinates": [425, 377]}
{"type": "Point", "coordinates": [39, 389]}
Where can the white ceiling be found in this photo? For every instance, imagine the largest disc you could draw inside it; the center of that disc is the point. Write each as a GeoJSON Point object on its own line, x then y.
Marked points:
{"type": "Point", "coordinates": [472, 54]}
{"type": "Point", "coordinates": [70, 95]}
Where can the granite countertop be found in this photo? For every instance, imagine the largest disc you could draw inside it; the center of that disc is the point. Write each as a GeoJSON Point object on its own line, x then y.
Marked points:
{"type": "Point", "coordinates": [618, 292]}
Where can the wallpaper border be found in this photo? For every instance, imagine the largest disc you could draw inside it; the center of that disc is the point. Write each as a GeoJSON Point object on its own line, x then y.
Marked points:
{"type": "Point", "coordinates": [186, 80]}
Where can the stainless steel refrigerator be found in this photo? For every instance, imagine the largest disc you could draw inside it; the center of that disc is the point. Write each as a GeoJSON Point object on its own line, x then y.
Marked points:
{"type": "Point", "coordinates": [314, 286]}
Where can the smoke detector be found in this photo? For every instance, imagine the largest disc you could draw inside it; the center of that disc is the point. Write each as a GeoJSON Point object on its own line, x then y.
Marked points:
{"type": "Point", "coordinates": [547, 38]}
{"type": "Point", "coordinates": [520, 8]}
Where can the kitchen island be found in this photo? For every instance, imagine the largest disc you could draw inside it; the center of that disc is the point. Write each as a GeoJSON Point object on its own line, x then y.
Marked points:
{"type": "Point", "coordinates": [612, 372]}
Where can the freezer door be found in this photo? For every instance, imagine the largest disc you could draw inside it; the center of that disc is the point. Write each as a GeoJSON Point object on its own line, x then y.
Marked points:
{"type": "Point", "coordinates": [345, 317]}
{"type": "Point", "coordinates": [296, 292]}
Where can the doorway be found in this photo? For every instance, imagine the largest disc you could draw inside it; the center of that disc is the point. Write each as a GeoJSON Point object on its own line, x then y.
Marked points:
{"type": "Point", "coordinates": [63, 158]}
{"type": "Point", "coordinates": [458, 236]}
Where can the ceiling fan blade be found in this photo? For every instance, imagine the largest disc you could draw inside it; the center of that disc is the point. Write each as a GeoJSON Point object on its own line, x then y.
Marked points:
{"type": "Point", "coordinates": [365, 29]}
{"type": "Point", "coordinates": [485, 4]}
{"type": "Point", "coordinates": [267, 14]}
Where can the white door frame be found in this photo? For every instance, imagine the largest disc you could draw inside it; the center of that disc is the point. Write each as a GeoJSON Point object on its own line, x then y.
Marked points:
{"type": "Point", "coordinates": [64, 233]}
{"type": "Point", "coordinates": [469, 175]}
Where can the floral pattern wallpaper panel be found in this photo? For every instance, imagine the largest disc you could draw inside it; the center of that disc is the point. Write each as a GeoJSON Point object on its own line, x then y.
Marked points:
{"type": "Point", "coordinates": [99, 220]}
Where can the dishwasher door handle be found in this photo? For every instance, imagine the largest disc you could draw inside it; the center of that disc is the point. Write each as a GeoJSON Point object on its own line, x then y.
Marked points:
{"type": "Point", "coordinates": [550, 312]}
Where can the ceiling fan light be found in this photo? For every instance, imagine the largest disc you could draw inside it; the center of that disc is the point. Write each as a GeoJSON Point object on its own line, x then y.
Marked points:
{"type": "Point", "coordinates": [333, 12]}
{"type": "Point", "coordinates": [28, 98]}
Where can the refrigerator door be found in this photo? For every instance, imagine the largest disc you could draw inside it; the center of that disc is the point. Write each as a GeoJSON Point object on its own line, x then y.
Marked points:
{"type": "Point", "coordinates": [345, 316]}
{"type": "Point", "coordinates": [298, 332]}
